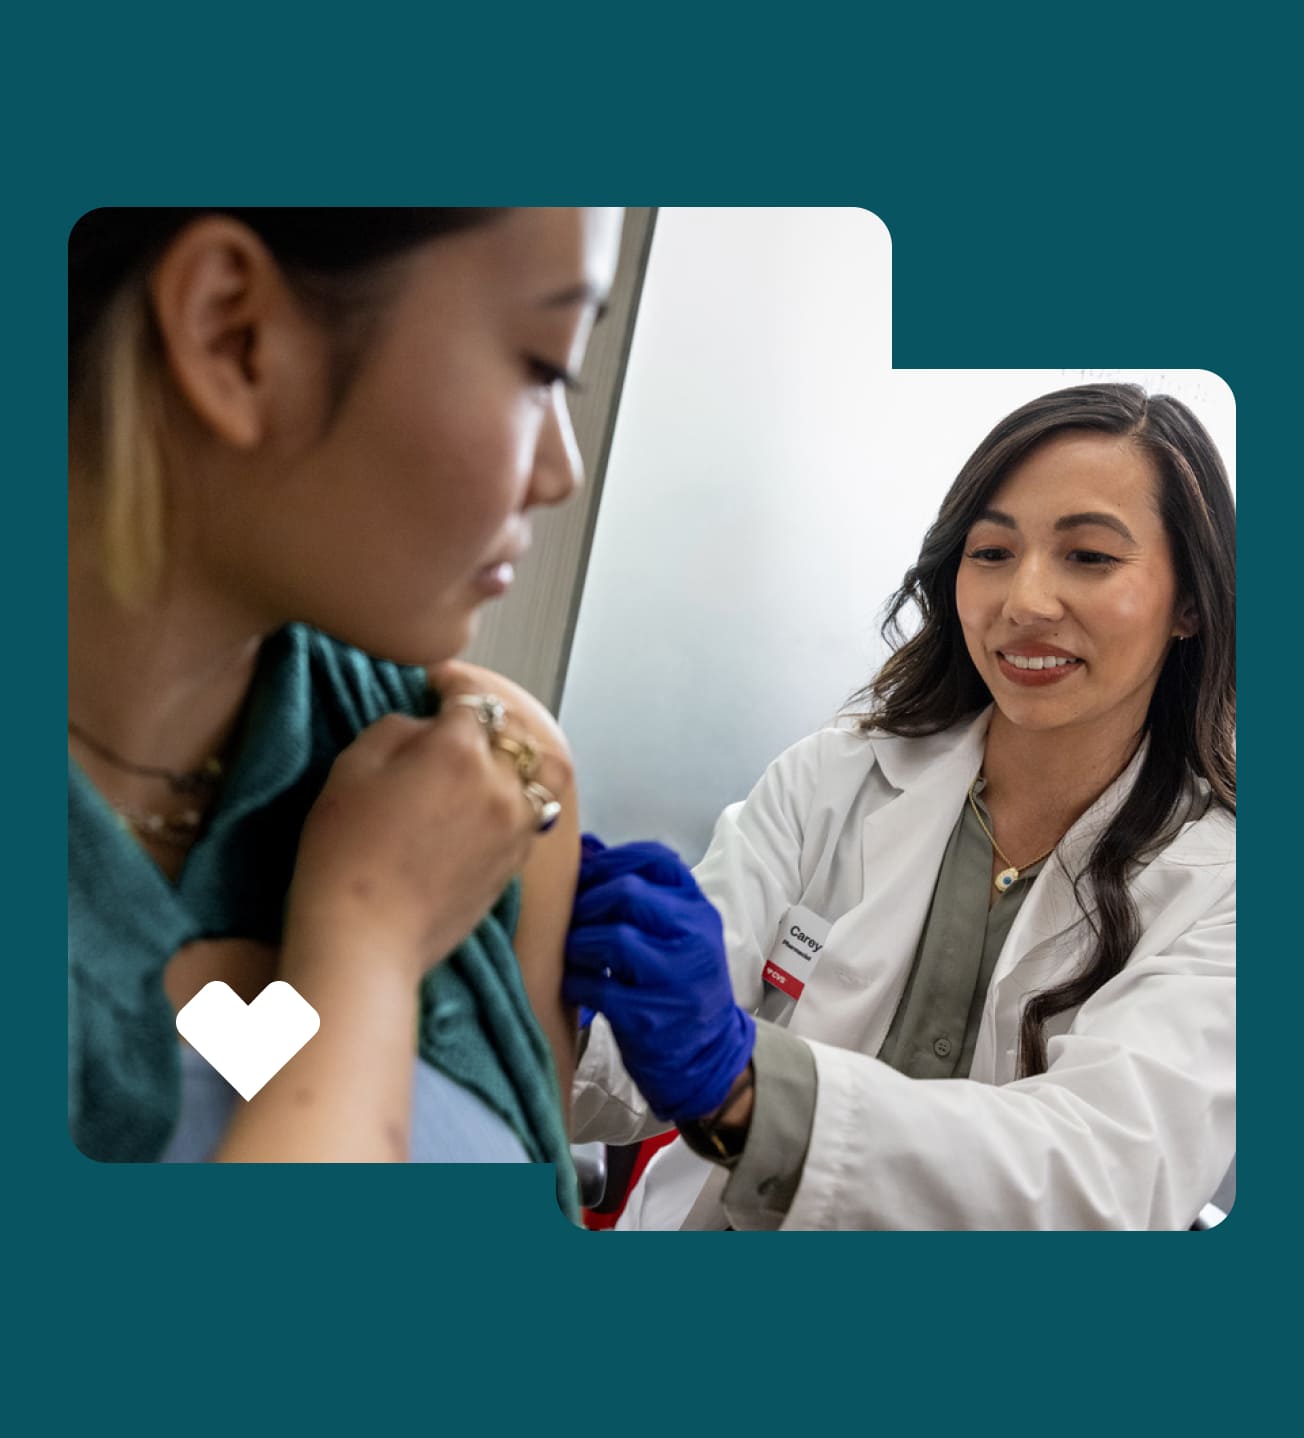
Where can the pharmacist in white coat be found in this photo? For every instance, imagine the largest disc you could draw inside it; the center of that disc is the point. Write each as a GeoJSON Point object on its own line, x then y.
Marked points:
{"type": "Point", "coordinates": [974, 960]}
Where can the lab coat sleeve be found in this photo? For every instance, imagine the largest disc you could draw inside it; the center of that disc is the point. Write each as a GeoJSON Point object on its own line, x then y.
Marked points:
{"type": "Point", "coordinates": [606, 1106]}
{"type": "Point", "coordinates": [761, 1188]}
{"type": "Point", "coordinates": [1131, 1127]}
{"type": "Point", "coordinates": [751, 872]}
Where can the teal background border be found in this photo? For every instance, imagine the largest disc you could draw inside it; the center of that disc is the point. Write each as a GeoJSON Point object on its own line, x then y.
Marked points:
{"type": "Point", "coordinates": [1100, 190]}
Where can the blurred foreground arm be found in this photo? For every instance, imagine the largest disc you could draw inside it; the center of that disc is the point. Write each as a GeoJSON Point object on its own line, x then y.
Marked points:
{"type": "Point", "coordinates": [417, 830]}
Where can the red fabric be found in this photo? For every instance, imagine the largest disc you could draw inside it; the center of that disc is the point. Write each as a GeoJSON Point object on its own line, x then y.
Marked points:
{"type": "Point", "coordinates": [646, 1149]}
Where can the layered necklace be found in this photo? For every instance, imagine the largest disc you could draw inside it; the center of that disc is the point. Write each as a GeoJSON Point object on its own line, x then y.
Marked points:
{"type": "Point", "coordinates": [173, 830]}
{"type": "Point", "coordinates": [1010, 874]}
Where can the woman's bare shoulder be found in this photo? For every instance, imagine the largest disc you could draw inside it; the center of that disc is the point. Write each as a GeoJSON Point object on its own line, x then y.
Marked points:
{"type": "Point", "coordinates": [529, 712]}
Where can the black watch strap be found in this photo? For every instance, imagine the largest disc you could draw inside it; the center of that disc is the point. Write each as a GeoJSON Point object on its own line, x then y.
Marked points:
{"type": "Point", "coordinates": [720, 1145]}
{"type": "Point", "coordinates": [720, 1142]}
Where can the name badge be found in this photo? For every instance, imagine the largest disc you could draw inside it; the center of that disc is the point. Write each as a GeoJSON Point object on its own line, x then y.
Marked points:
{"type": "Point", "coordinates": [797, 949]}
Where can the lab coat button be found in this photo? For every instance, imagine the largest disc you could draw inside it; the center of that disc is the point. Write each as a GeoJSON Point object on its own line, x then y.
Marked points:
{"type": "Point", "coordinates": [942, 1046]}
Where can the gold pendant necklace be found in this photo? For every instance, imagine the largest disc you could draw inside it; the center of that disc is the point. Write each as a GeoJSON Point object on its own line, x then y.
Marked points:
{"type": "Point", "coordinates": [1009, 875]}
{"type": "Point", "coordinates": [174, 831]}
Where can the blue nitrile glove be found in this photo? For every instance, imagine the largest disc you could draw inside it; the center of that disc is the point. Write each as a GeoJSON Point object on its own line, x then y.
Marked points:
{"type": "Point", "coordinates": [646, 949]}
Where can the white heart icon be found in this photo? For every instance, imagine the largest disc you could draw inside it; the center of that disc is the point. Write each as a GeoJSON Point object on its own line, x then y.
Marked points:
{"type": "Point", "coordinates": [248, 1044]}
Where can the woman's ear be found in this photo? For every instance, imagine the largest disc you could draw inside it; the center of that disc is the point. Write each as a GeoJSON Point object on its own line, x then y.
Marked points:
{"type": "Point", "coordinates": [225, 315]}
{"type": "Point", "coordinates": [1187, 620]}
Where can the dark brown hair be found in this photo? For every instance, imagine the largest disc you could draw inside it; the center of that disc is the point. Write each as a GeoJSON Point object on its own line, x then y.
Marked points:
{"type": "Point", "coordinates": [930, 682]}
{"type": "Point", "coordinates": [320, 250]}
{"type": "Point", "coordinates": [339, 262]}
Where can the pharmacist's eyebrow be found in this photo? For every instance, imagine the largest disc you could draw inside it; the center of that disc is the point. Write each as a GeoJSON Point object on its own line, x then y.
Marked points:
{"type": "Point", "coordinates": [581, 294]}
{"type": "Point", "coordinates": [1097, 517]}
{"type": "Point", "coordinates": [1068, 521]}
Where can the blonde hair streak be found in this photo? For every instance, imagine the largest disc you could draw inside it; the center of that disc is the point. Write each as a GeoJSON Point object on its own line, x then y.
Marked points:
{"type": "Point", "coordinates": [127, 443]}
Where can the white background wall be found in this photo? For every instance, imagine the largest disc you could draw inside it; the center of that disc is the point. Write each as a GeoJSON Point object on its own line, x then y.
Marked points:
{"type": "Point", "coordinates": [769, 481]}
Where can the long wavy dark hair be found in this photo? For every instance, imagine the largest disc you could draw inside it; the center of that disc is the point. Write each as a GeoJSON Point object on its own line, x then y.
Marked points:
{"type": "Point", "coordinates": [930, 682]}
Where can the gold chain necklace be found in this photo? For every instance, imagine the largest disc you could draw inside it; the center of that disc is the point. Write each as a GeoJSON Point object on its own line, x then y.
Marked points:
{"type": "Point", "coordinates": [1009, 875]}
{"type": "Point", "coordinates": [198, 781]}
{"type": "Point", "coordinates": [175, 831]}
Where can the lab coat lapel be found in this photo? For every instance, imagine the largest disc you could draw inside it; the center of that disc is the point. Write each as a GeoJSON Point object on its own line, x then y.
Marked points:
{"type": "Point", "coordinates": [1042, 945]}
{"type": "Point", "coordinates": [1049, 935]}
{"type": "Point", "coordinates": [855, 991]}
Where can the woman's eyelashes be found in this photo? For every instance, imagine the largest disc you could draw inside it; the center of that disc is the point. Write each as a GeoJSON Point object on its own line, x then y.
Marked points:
{"type": "Point", "coordinates": [1094, 558]}
{"type": "Point", "coordinates": [546, 374]}
{"type": "Point", "coordinates": [1086, 558]}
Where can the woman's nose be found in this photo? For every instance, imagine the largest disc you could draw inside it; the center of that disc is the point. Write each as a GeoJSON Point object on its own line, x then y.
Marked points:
{"type": "Point", "coordinates": [558, 468]}
{"type": "Point", "coordinates": [1032, 597]}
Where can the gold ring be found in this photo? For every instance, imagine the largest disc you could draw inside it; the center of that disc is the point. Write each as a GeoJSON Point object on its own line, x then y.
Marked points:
{"type": "Point", "coordinates": [524, 752]}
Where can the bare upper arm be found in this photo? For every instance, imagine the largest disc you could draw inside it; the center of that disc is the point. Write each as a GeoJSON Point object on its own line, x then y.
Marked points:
{"type": "Point", "coordinates": [550, 873]}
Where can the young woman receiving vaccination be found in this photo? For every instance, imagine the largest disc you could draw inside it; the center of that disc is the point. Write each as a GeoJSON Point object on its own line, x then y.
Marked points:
{"type": "Point", "coordinates": [966, 962]}
{"type": "Point", "coordinates": [303, 449]}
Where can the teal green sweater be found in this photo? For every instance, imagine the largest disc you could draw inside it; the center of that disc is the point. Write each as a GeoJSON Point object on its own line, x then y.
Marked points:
{"type": "Point", "coordinates": [309, 699]}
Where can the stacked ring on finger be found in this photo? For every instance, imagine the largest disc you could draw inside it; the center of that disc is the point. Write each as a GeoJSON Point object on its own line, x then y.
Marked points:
{"type": "Point", "coordinates": [524, 754]}
{"type": "Point", "coordinates": [525, 757]}
{"type": "Point", "coordinates": [547, 807]}
{"type": "Point", "coordinates": [489, 710]}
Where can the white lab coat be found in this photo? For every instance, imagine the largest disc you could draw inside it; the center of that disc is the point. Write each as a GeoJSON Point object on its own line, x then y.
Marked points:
{"type": "Point", "coordinates": [1132, 1125]}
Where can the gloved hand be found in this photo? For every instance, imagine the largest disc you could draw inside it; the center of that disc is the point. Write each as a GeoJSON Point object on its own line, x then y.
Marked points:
{"type": "Point", "coordinates": [646, 949]}
{"type": "Point", "coordinates": [590, 845]}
